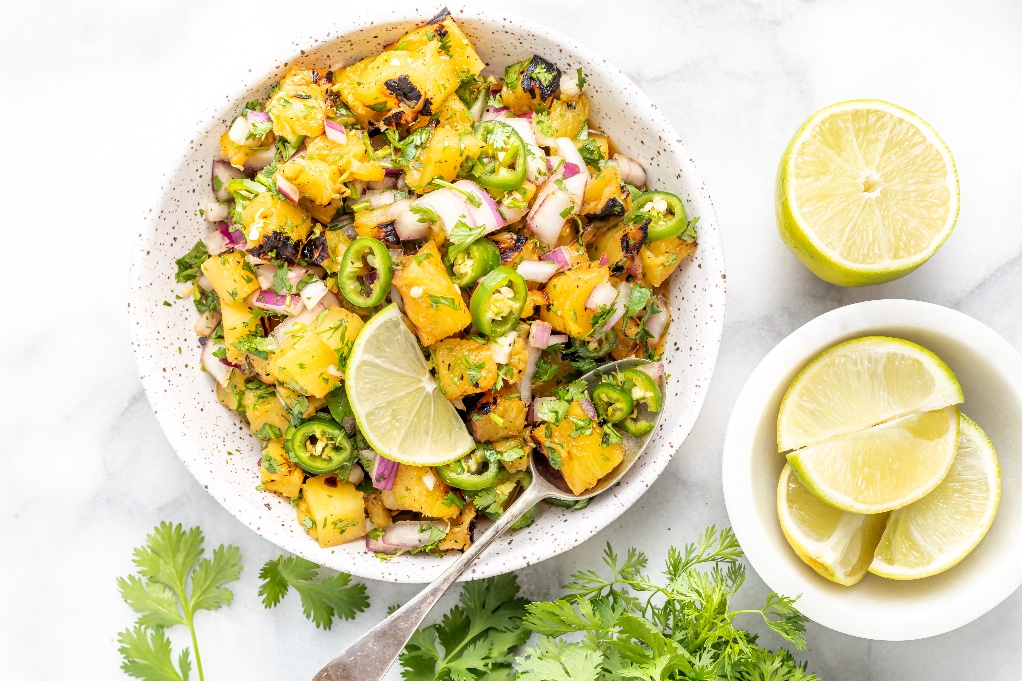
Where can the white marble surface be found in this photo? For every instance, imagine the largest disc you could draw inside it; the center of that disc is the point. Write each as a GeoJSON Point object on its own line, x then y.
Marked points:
{"type": "Point", "coordinates": [96, 96]}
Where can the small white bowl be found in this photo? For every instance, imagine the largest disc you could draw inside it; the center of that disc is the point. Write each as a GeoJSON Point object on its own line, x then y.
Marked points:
{"type": "Point", "coordinates": [990, 371]}
{"type": "Point", "coordinates": [205, 434]}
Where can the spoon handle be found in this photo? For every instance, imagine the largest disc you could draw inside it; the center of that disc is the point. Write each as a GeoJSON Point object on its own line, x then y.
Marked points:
{"type": "Point", "coordinates": [369, 658]}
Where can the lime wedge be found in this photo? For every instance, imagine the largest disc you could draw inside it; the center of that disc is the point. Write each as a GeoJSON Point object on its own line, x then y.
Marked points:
{"type": "Point", "coordinates": [837, 544]}
{"type": "Point", "coordinates": [398, 406]}
{"type": "Point", "coordinates": [884, 467]}
{"type": "Point", "coordinates": [936, 532]}
{"type": "Point", "coordinates": [866, 193]}
{"type": "Point", "coordinates": [860, 384]}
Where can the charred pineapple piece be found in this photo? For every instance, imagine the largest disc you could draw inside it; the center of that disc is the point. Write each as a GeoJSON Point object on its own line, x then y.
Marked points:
{"type": "Point", "coordinates": [464, 367]}
{"type": "Point", "coordinates": [603, 198]}
{"type": "Point", "coordinates": [497, 417]}
{"type": "Point", "coordinates": [460, 536]}
{"type": "Point", "coordinates": [568, 292]}
{"type": "Point", "coordinates": [375, 223]}
{"type": "Point", "coordinates": [298, 106]}
{"type": "Point", "coordinates": [277, 473]}
{"type": "Point", "coordinates": [432, 302]}
{"type": "Point", "coordinates": [530, 83]}
{"type": "Point", "coordinates": [660, 258]}
{"type": "Point", "coordinates": [575, 448]}
{"type": "Point", "coordinates": [620, 242]}
{"type": "Point", "coordinates": [453, 43]}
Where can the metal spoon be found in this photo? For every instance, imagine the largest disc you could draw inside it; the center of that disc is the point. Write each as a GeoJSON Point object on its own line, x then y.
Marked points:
{"type": "Point", "coordinates": [371, 656]}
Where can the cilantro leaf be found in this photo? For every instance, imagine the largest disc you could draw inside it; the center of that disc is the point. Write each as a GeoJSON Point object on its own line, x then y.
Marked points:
{"type": "Point", "coordinates": [461, 237]}
{"type": "Point", "coordinates": [332, 596]}
{"type": "Point", "coordinates": [147, 656]}
{"type": "Point", "coordinates": [188, 264]}
{"type": "Point", "coordinates": [553, 660]}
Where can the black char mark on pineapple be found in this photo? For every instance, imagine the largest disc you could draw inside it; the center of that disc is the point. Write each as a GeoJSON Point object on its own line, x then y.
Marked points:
{"type": "Point", "coordinates": [279, 247]}
{"type": "Point", "coordinates": [440, 16]}
{"type": "Point", "coordinates": [541, 77]}
{"type": "Point", "coordinates": [315, 250]}
{"type": "Point", "coordinates": [510, 245]}
{"type": "Point", "coordinates": [611, 208]}
{"type": "Point", "coordinates": [633, 238]}
{"type": "Point", "coordinates": [404, 89]}
{"type": "Point", "coordinates": [389, 233]}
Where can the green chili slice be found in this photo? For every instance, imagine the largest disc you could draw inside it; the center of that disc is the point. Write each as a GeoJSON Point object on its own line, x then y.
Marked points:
{"type": "Point", "coordinates": [501, 164]}
{"type": "Point", "coordinates": [644, 390]}
{"type": "Point", "coordinates": [337, 403]}
{"type": "Point", "coordinates": [320, 446]}
{"type": "Point", "coordinates": [498, 301]}
{"type": "Point", "coordinates": [470, 265]}
{"type": "Point", "coordinates": [613, 403]}
{"type": "Point", "coordinates": [471, 472]}
{"type": "Point", "coordinates": [365, 272]}
{"type": "Point", "coordinates": [664, 211]}
{"type": "Point", "coordinates": [596, 348]}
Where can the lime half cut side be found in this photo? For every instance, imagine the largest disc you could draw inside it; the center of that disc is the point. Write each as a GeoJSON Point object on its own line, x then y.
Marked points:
{"type": "Point", "coordinates": [837, 544]}
{"type": "Point", "coordinates": [882, 468]}
{"type": "Point", "coordinates": [860, 384]}
{"type": "Point", "coordinates": [397, 404]}
{"type": "Point", "coordinates": [866, 192]}
{"type": "Point", "coordinates": [938, 531]}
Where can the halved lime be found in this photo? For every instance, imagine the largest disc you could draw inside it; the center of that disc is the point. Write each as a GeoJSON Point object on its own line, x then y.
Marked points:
{"type": "Point", "coordinates": [837, 544]}
{"type": "Point", "coordinates": [859, 384]}
{"type": "Point", "coordinates": [884, 467]}
{"type": "Point", "coordinates": [397, 404]}
{"type": "Point", "coordinates": [938, 531]}
{"type": "Point", "coordinates": [866, 192]}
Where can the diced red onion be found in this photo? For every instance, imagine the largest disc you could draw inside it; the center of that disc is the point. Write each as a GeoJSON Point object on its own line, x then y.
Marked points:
{"type": "Point", "coordinates": [547, 217]}
{"type": "Point", "coordinates": [635, 269]}
{"type": "Point", "coordinates": [602, 295]}
{"type": "Point", "coordinates": [559, 338]}
{"type": "Point", "coordinates": [215, 243]}
{"type": "Point", "coordinates": [532, 359]}
{"type": "Point", "coordinates": [631, 172]}
{"type": "Point", "coordinates": [604, 260]}
{"type": "Point", "coordinates": [295, 274]}
{"type": "Point", "coordinates": [285, 187]}
{"type": "Point", "coordinates": [570, 170]}
{"type": "Point", "coordinates": [406, 223]}
{"type": "Point", "coordinates": [537, 169]}
{"type": "Point", "coordinates": [232, 238]}
{"type": "Point", "coordinates": [493, 114]}
{"type": "Point", "coordinates": [527, 115]}
{"type": "Point", "coordinates": [335, 132]}
{"type": "Point", "coordinates": [657, 323]}
{"type": "Point", "coordinates": [533, 414]}
{"type": "Point", "coordinates": [239, 130]}
{"type": "Point", "coordinates": [654, 369]}
{"type": "Point", "coordinates": [624, 290]}
{"type": "Point", "coordinates": [282, 330]}
{"type": "Point", "coordinates": [512, 214]}
{"type": "Point", "coordinates": [205, 325]}
{"type": "Point", "coordinates": [538, 270]}
{"type": "Point", "coordinates": [214, 211]}
{"type": "Point", "coordinates": [560, 255]}
{"type": "Point", "coordinates": [384, 472]}
{"type": "Point", "coordinates": [264, 275]}
{"type": "Point", "coordinates": [486, 213]}
{"type": "Point", "coordinates": [388, 182]}
{"type": "Point", "coordinates": [500, 348]}
{"type": "Point", "coordinates": [212, 365]}
{"type": "Point", "coordinates": [450, 205]}
{"type": "Point", "coordinates": [224, 172]}
{"type": "Point", "coordinates": [356, 475]}
{"type": "Point", "coordinates": [380, 197]}
{"type": "Point", "coordinates": [276, 302]}
{"type": "Point", "coordinates": [479, 105]}
{"type": "Point", "coordinates": [259, 160]}
{"type": "Point", "coordinates": [539, 334]}
{"type": "Point", "coordinates": [329, 300]}
{"type": "Point", "coordinates": [257, 117]}
{"type": "Point", "coordinates": [203, 281]}
{"type": "Point", "coordinates": [313, 293]}
{"type": "Point", "coordinates": [406, 535]}
{"type": "Point", "coordinates": [575, 184]}
{"type": "Point", "coordinates": [588, 408]}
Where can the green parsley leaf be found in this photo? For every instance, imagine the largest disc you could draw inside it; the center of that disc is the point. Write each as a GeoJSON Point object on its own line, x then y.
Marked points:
{"type": "Point", "coordinates": [545, 369]}
{"type": "Point", "coordinates": [552, 411]}
{"type": "Point", "coordinates": [436, 301]}
{"type": "Point", "coordinates": [323, 599]}
{"type": "Point", "coordinates": [148, 656]}
{"type": "Point", "coordinates": [188, 264]}
{"type": "Point", "coordinates": [461, 237]}
{"type": "Point", "coordinates": [425, 214]}
{"type": "Point", "coordinates": [581, 82]}
{"type": "Point", "coordinates": [592, 153]}
{"type": "Point", "coordinates": [267, 431]}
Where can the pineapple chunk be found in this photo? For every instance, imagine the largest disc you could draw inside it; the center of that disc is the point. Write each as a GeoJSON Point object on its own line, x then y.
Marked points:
{"type": "Point", "coordinates": [620, 243]}
{"type": "Point", "coordinates": [498, 417]}
{"type": "Point", "coordinates": [336, 244]}
{"type": "Point", "coordinates": [460, 536]}
{"type": "Point", "coordinates": [451, 143]}
{"type": "Point", "coordinates": [453, 42]}
{"type": "Point", "coordinates": [564, 119]}
{"type": "Point", "coordinates": [660, 258]}
{"type": "Point", "coordinates": [277, 473]}
{"type": "Point", "coordinates": [377, 224]}
{"type": "Point", "coordinates": [582, 459]}
{"type": "Point", "coordinates": [298, 106]}
{"type": "Point", "coordinates": [332, 511]}
{"type": "Point", "coordinates": [379, 515]}
{"type": "Point", "coordinates": [568, 292]}
{"type": "Point", "coordinates": [294, 402]}
{"type": "Point", "coordinates": [307, 364]}
{"type": "Point", "coordinates": [464, 367]}
{"type": "Point", "coordinates": [338, 328]}
{"type": "Point", "coordinates": [432, 302]}
{"type": "Point", "coordinates": [351, 158]}
{"type": "Point", "coordinates": [238, 154]}
{"type": "Point", "coordinates": [239, 321]}
{"type": "Point", "coordinates": [317, 180]}
{"type": "Point", "coordinates": [231, 276]}
{"type": "Point", "coordinates": [411, 492]}
{"type": "Point", "coordinates": [266, 214]}
{"type": "Point", "coordinates": [603, 197]}
{"type": "Point", "coordinates": [262, 408]}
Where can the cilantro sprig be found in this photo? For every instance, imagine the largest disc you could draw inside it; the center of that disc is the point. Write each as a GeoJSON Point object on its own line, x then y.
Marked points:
{"type": "Point", "coordinates": [174, 582]}
{"type": "Point", "coordinates": [333, 596]}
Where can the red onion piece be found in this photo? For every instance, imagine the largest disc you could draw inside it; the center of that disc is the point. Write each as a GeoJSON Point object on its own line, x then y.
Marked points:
{"type": "Point", "coordinates": [254, 117]}
{"type": "Point", "coordinates": [380, 197]}
{"type": "Point", "coordinates": [388, 182]}
{"type": "Point", "coordinates": [234, 237]}
{"type": "Point", "coordinates": [532, 359]}
{"type": "Point", "coordinates": [214, 211]}
{"type": "Point", "coordinates": [313, 293]}
{"type": "Point", "coordinates": [276, 302]}
{"type": "Point", "coordinates": [449, 205]}
{"type": "Point", "coordinates": [539, 334]}
{"type": "Point", "coordinates": [657, 323]}
{"type": "Point", "coordinates": [285, 187]}
{"type": "Point", "coordinates": [406, 223]}
{"type": "Point", "coordinates": [560, 255]}
{"type": "Point", "coordinates": [575, 184]}
{"type": "Point", "coordinates": [559, 338]}
{"type": "Point", "coordinates": [224, 172]}
{"type": "Point", "coordinates": [295, 274]}
{"type": "Point", "coordinates": [624, 290]}
{"type": "Point", "coordinates": [604, 260]}
{"type": "Point", "coordinates": [537, 270]}
{"type": "Point", "coordinates": [492, 114]}
{"type": "Point", "coordinates": [602, 295]}
{"type": "Point", "coordinates": [588, 408]}
{"type": "Point", "coordinates": [547, 217]}
{"type": "Point", "coordinates": [486, 213]}
{"type": "Point", "coordinates": [335, 132]}
{"type": "Point", "coordinates": [570, 170]}
{"type": "Point", "coordinates": [533, 414]}
{"type": "Point", "coordinates": [631, 171]}
{"type": "Point", "coordinates": [635, 269]}
{"type": "Point", "coordinates": [238, 133]}
{"type": "Point", "coordinates": [406, 535]}
{"type": "Point", "coordinates": [654, 369]}
{"type": "Point", "coordinates": [205, 325]}
{"type": "Point", "coordinates": [212, 365]}
{"type": "Point", "coordinates": [537, 169]}
{"type": "Point", "coordinates": [329, 300]}
{"type": "Point", "coordinates": [384, 473]}
{"type": "Point", "coordinates": [479, 105]}
{"type": "Point", "coordinates": [215, 242]}
{"type": "Point", "coordinates": [259, 160]}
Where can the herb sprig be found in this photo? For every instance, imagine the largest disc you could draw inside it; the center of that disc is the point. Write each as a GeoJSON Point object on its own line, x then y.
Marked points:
{"type": "Point", "coordinates": [333, 596]}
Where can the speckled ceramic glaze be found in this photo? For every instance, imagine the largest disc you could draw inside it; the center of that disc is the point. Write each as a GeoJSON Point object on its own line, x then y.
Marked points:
{"type": "Point", "coordinates": [204, 433]}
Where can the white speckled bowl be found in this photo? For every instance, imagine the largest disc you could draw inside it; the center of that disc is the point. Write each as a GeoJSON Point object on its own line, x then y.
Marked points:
{"type": "Point", "coordinates": [202, 431]}
{"type": "Point", "coordinates": [989, 369]}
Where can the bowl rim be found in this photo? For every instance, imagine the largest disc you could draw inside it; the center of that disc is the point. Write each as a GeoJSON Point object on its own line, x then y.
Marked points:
{"type": "Point", "coordinates": [406, 12]}
{"type": "Point", "coordinates": [793, 352]}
